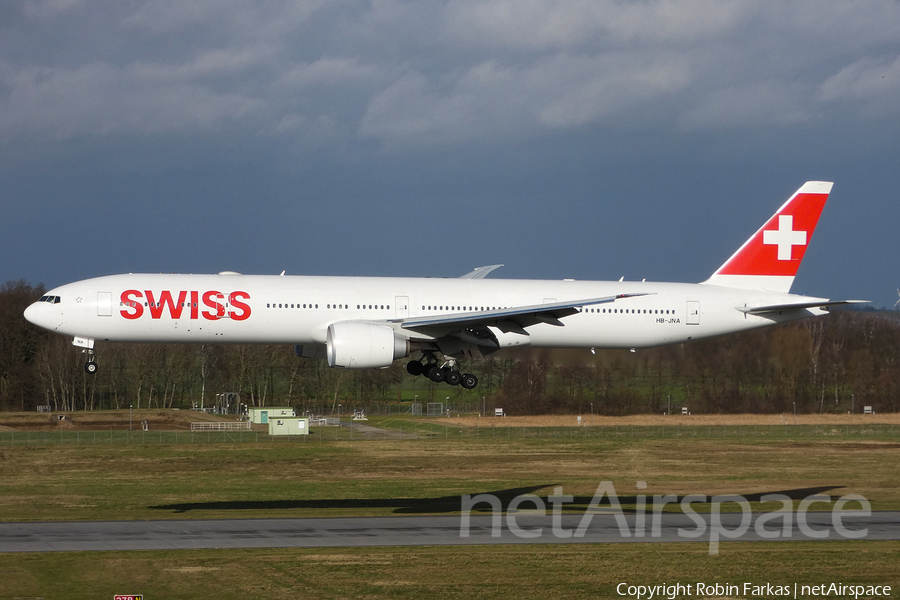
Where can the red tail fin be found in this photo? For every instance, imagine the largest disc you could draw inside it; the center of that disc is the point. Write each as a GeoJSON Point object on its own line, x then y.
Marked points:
{"type": "Point", "coordinates": [770, 258]}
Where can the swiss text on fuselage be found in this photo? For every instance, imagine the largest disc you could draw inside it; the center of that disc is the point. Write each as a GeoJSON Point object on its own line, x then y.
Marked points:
{"type": "Point", "coordinates": [187, 304]}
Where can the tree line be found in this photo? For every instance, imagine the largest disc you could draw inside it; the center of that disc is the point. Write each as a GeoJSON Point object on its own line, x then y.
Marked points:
{"type": "Point", "coordinates": [837, 363]}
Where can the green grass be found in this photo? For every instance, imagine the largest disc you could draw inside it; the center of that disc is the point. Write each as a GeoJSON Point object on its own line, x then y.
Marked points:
{"type": "Point", "coordinates": [304, 478]}
{"type": "Point", "coordinates": [470, 572]}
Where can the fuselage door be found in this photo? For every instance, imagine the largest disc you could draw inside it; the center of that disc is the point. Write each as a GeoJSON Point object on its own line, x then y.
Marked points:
{"type": "Point", "coordinates": [693, 312]}
{"type": "Point", "coordinates": [401, 307]}
{"type": "Point", "coordinates": [104, 304]}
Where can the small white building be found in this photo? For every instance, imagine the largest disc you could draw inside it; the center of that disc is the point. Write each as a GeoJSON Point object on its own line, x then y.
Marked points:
{"type": "Point", "coordinates": [267, 413]}
{"type": "Point", "coordinates": [289, 426]}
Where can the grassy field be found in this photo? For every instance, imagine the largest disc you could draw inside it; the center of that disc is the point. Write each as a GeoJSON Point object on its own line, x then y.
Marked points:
{"type": "Point", "coordinates": [421, 475]}
{"type": "Point", "coordinates": [427, 474]}
{"type": "Point", "coordinates": [556, 571]}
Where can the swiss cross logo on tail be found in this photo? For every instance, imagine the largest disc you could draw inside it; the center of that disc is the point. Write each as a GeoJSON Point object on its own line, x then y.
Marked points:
{"type": "Point", "coordinates": [770, 258]}
{"type": "Point", "coordinates": [784, 237]}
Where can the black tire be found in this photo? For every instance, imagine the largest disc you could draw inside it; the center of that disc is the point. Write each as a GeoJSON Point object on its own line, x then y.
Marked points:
{"type": "Point", "coordinates": [90, 367]}
{"type": "Point", "coordinates": [469, 381]}
{"type": "Point", "coordinates": [415, 368]}
{"type": "Point", "coordinates": [453, 377]}
{"type": "Point", "coordinates": [435, 373]}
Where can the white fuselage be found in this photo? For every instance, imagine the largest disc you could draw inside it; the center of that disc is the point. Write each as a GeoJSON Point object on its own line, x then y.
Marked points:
{"type": "Point", "coordinates": [232, 308]}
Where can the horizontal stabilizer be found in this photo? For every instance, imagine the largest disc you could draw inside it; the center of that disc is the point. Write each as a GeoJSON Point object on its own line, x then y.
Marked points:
{"type": "Point", "coordinates": [773, 308]}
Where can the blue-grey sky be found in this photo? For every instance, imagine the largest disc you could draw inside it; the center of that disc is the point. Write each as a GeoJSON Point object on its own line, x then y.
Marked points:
{"type": "Point", "coordinates": [587, 139]}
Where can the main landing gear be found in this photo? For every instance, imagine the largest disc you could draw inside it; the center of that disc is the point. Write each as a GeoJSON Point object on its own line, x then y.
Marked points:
{"type": "Point", "coordinates": [448, 373]}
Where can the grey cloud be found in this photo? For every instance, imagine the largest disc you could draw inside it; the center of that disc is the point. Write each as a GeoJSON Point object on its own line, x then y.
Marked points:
{"type": "Point", "coordinates": [526, 24]}
{"type": "Point", "coordinates": [208, 66]}
{"type": "Point", "coordinates": [428, 73]}
{"type": "Point", "coordinates": [46, 9]}
{"type": "Point", "coordinates": [491, 99]}
{"type": "Point", "coordinates": [227, 18]}
{"type": "Point", "coordinates": [331, 71]}
{"type": "Point", "coordinates": [99, 99]}
{"type": "Point", "coordinates": [612, 87]}
{"type": "Point", "coordinates": [753, 105]}
{"type": "Point", "coordinates": [874, 81]}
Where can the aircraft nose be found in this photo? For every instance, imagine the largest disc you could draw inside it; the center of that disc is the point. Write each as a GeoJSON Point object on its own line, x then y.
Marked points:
{"type": "Point", "coordinates": [42, 315]}
{"type": "Point", "coordinates": [31, 313]}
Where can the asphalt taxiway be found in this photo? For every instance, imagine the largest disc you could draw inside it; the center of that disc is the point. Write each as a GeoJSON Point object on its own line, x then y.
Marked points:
{"type": "Point", "coordinates": [421, 530]}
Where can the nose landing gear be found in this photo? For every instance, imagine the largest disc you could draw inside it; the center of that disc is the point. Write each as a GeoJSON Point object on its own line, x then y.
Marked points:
{"type": "Point", "coordinates": [90, 367]}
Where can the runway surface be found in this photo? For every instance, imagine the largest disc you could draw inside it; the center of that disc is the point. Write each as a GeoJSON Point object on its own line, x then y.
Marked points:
{"type": "Point", "coordinates": [521, 528]}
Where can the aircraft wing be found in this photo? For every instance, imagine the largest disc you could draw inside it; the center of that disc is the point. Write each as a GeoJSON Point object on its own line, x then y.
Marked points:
{"type": "Point", "coordinates": [773, 308]}
{"type": "Point", "coordinates": [480, 272]}
{"type": "Point", "coordinates": [514, 319]}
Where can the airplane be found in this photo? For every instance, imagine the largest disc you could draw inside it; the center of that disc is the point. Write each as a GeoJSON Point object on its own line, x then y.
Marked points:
{"type": "Point", "coordinates": [369, 322]}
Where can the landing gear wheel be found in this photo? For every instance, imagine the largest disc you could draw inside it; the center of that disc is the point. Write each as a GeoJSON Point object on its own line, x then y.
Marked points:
{"type": "Point", "coordinates": [415, 368]}
{"type": "Point", "coordinates": [90, 367]}
{"type": "Point", "coordinates": [453, 377]}
{"type": "Point", "coordinates": [469, 381]}
{"type": "Point", "coordinates": [434, 373]}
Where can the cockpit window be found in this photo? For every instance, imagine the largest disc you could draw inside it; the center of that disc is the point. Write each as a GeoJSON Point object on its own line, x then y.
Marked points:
{"type": "Point", "coordinates": [50, 299]}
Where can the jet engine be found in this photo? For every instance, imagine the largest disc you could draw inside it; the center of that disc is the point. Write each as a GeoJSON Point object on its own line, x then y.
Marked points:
{"type": "Point", "coordinates": [354, 345]}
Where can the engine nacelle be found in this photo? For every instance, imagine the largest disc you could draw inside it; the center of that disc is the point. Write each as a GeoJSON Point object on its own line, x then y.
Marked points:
{"type": "Point", "coordinates": [353, 345]}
